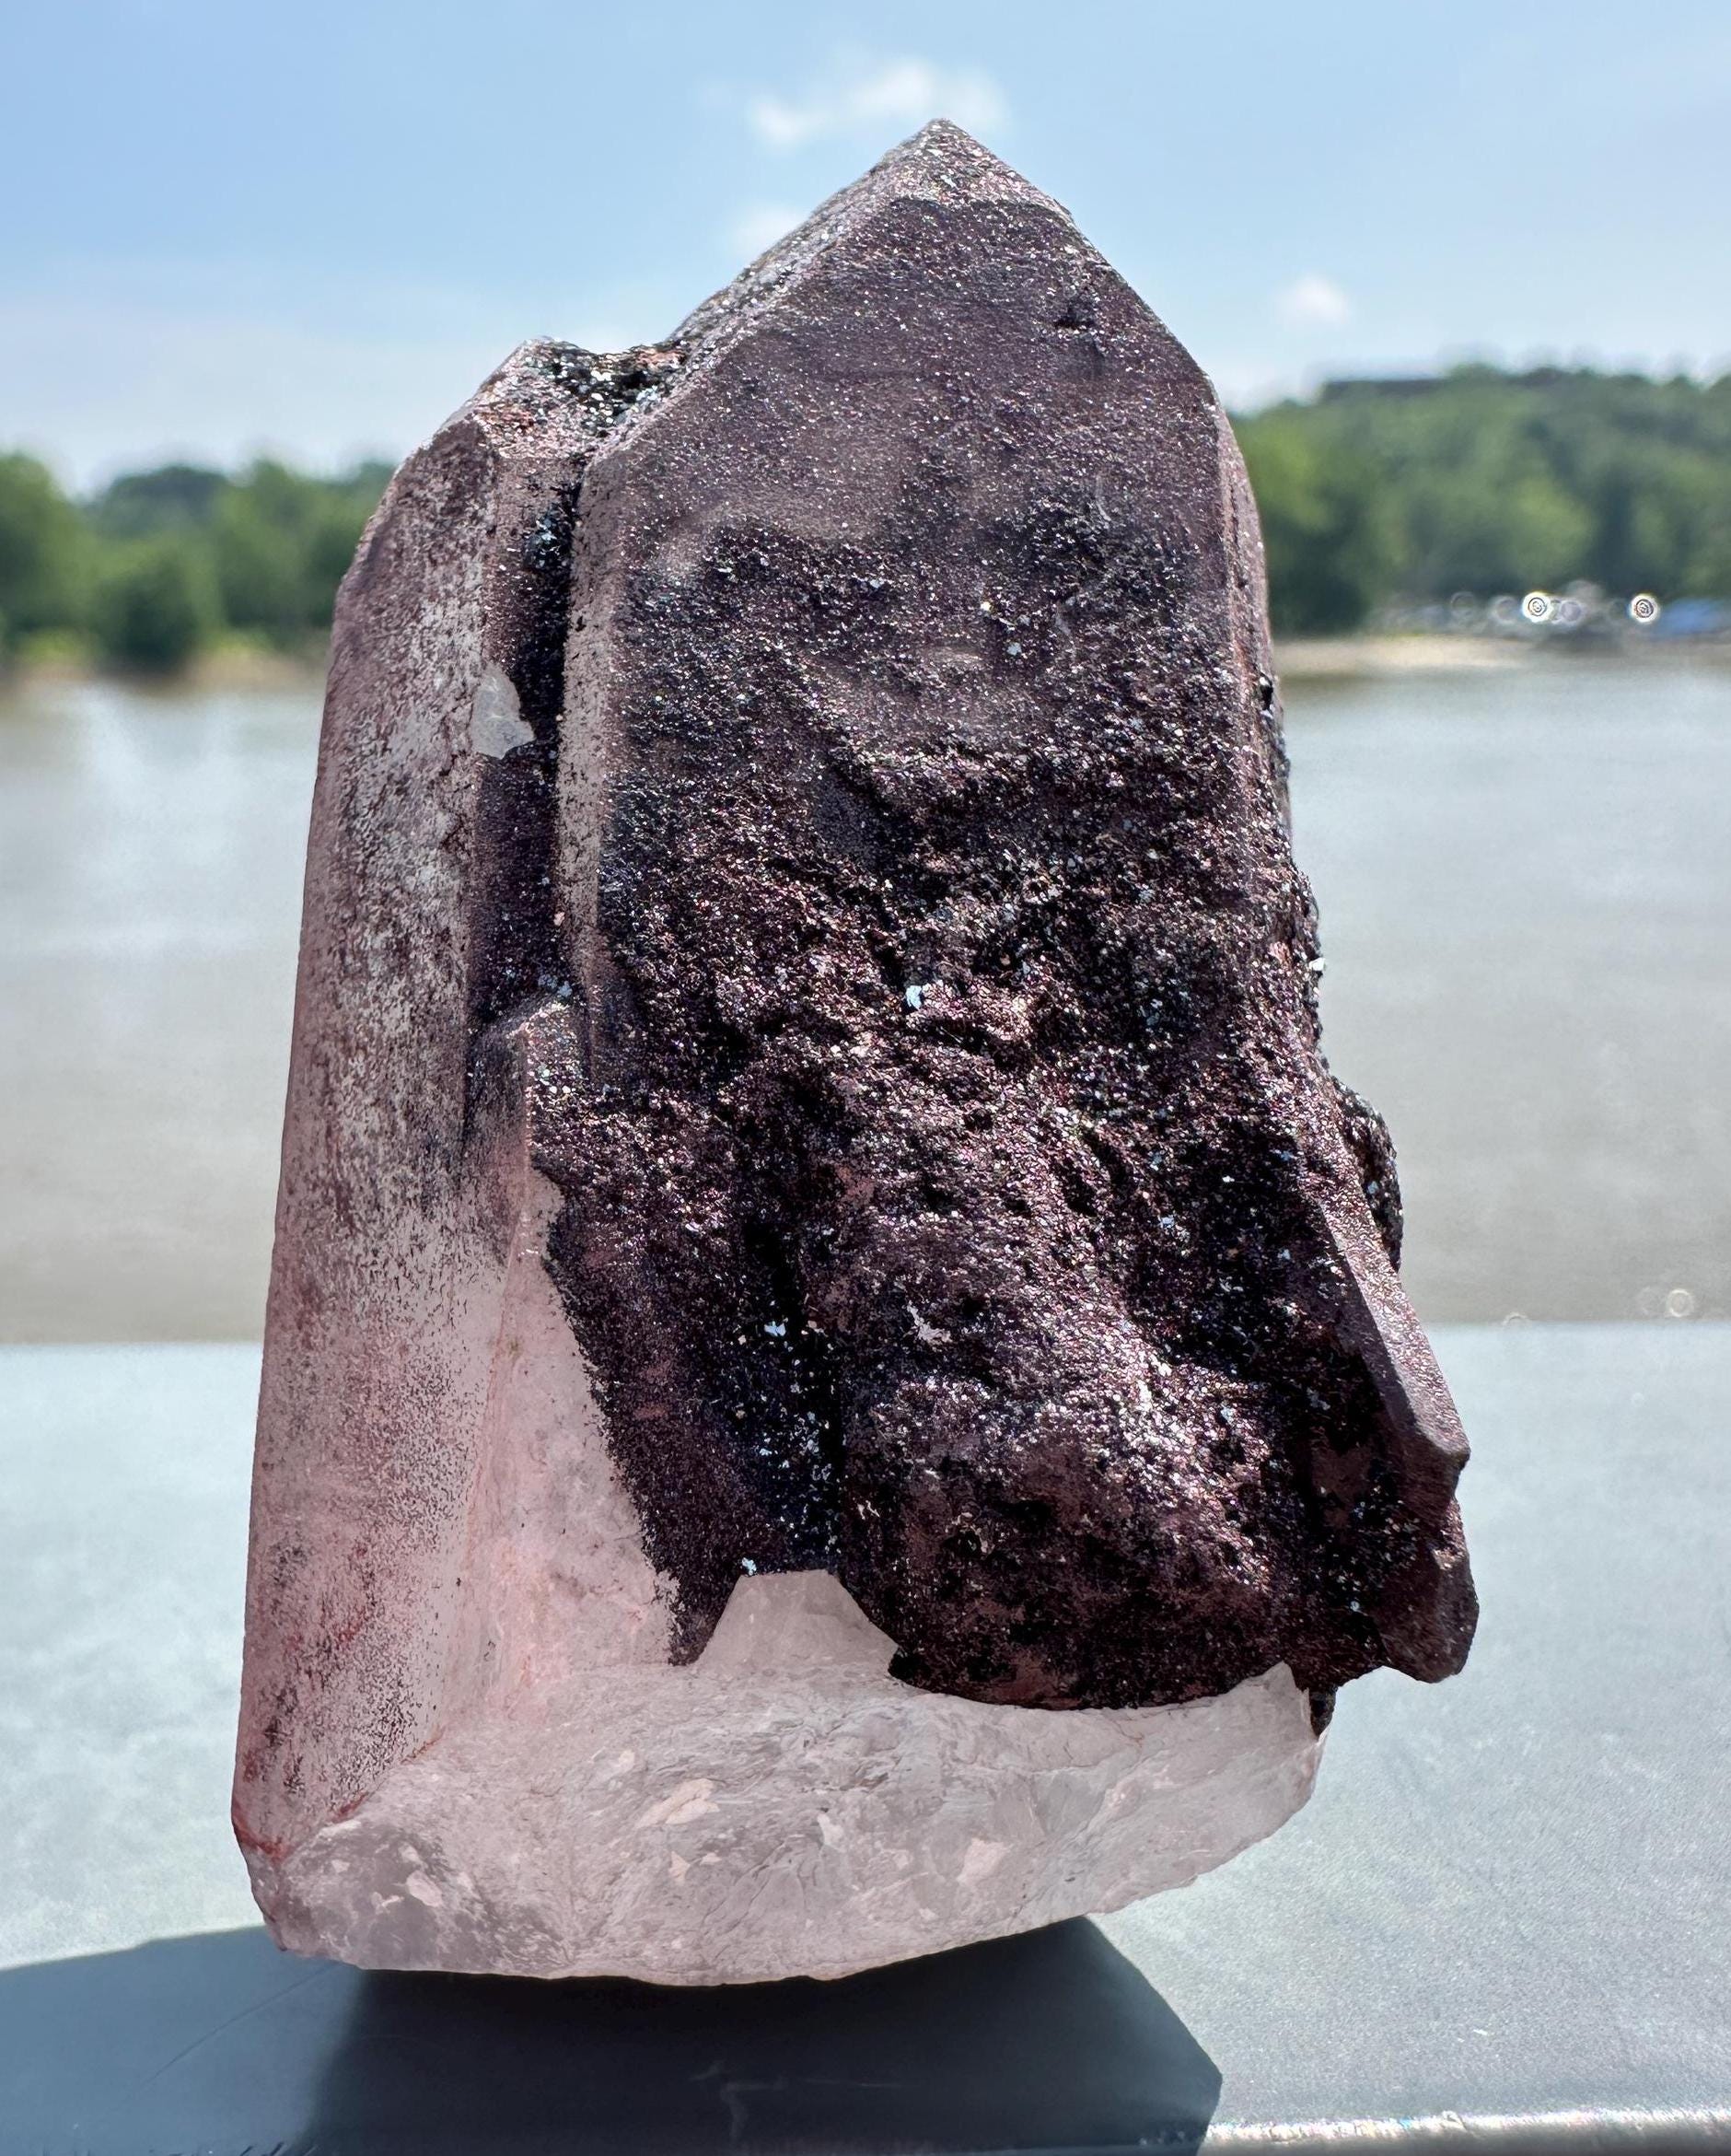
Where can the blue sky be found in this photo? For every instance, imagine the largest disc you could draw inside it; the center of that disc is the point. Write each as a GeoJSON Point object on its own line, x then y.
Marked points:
{"type": "Point", "coordinates": [314, 228]}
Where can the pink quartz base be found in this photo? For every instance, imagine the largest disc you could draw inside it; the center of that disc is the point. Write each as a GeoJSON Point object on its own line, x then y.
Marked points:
{"type": "Point", "coordinates": [780, 1807]}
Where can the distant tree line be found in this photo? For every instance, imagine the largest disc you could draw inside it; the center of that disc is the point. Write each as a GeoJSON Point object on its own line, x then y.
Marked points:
{"type": "Point", "coordinates": [149, 571]}
{"type": "Point", "coordinates": [1481, 480]}
{"type": "Point", "coordinates": [1371, 493]}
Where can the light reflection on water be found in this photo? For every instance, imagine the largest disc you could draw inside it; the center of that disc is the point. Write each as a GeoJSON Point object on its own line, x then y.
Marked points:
{"type": "Point", "coordinates": [1525, 898]}
{"type": "Point", "coordinates": [150, 862]}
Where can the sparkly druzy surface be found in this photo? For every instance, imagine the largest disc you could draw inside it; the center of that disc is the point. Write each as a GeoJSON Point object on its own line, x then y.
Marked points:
{"type": "Point", "coordinates": [956, 1193]}
{"type": "Point", "coordinates": [806, 1066]}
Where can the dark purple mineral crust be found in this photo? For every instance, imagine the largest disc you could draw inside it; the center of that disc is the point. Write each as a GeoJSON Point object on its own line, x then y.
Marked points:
{"type": "Point", "coordinates": [956, 1194]}
{"type": "Point", "coordinates": [877, 886]}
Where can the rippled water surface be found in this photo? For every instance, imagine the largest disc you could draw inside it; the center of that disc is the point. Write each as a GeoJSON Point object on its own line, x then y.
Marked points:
{"type": "Point", "coordinates": [1525, 882]}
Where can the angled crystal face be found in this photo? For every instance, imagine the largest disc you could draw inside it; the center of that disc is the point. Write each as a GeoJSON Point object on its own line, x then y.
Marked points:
{"type": "Point", "coordinates": [964, 1203]}
{"type": "Point", "coordinates": [807, 1056]}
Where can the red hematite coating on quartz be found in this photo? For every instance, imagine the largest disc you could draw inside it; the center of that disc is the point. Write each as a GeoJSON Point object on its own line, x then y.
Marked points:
{"type": "Point", "coordinates": [812, 794]}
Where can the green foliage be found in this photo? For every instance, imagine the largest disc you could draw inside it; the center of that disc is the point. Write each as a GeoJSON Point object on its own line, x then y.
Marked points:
{"type": "Point", "coordinates": [154, 605]}
{"type": "Point", "coordinates": [174, 497]}
{"type": "Point", "coordinates": [43, 553]}
{"type": "Point", "coordinates": [1485, 482]}
{"type": "Point", "coordinates": [159, 562]}
{"type": "Point", "coordinates": [282, 544]}
{"type": "Point", "coordinates": [1326, 530]}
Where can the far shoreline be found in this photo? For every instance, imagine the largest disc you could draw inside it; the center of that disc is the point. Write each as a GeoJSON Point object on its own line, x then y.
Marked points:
{"type": "Point", "coordinates": [1380, 654]}
{"type": "Point", "coordinates": [1369, 655]}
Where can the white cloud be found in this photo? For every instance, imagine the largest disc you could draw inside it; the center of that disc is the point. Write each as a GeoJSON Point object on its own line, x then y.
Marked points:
{"type": "Point", "coordinates": [1311, 302]}
{"type": "Point", "coordinates": [869, 96]}
{"type": "Point", "coordinates": [761, 225]}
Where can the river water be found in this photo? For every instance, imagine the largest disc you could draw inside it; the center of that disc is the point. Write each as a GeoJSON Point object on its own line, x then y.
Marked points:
{"type": "Point", "coordinates": [1525, 885]}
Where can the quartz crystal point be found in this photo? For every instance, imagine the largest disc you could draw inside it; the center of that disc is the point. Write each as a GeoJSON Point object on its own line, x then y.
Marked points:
{"type": "Point", "coordinates": [835, 1382]}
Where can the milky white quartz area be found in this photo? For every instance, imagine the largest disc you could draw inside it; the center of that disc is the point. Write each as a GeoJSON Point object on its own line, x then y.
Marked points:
{"type": "Point", "coordinates": [782, 1806]}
